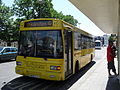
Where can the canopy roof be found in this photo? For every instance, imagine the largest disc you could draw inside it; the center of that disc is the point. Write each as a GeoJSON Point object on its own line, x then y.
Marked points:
{"type": "Point", "coordinates": [104, 13]}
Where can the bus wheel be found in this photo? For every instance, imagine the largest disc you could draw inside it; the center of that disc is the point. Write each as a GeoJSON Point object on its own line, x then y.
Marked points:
{"type": "Point", "coordinates": [76, 67]}
{"type": "Point", "coordinates": [91, 58]}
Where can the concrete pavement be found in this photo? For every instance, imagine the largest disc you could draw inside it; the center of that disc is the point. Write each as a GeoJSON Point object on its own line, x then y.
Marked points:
{"type": "Point", "coordinates": [97, 78]}
{"type": "Point", "coordinates": [7, 73]}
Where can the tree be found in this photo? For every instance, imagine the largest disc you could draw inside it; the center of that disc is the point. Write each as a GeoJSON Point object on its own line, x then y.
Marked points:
{"type": "Point", "coordinates": [30, 9]}
{"type": "Point", "coordinates": [113, 38]}
{"type": "Point", "coordinates": [26, 9]}
{"type": "Point", "coordinates": [6, 24]}
{"type": "Point", "coordinates": [70, 19]}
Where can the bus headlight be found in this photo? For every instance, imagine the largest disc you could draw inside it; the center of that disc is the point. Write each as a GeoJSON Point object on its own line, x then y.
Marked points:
{"type": "Point", "coordinates": [55, 67]}
{"type": "Point", "coordinates": [19, 63]}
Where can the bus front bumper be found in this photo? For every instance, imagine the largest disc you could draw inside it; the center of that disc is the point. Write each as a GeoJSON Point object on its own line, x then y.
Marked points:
{"type": "Point", "coordinates": [57, 76]}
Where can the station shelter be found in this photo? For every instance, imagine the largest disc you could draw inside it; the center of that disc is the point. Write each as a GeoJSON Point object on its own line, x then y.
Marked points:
{"type": "Point", "coordinates": [105, 14]}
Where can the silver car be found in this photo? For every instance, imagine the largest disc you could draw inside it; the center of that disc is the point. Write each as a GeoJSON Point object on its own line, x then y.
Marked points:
{"type": "Point", "coordinates": [7, 53]}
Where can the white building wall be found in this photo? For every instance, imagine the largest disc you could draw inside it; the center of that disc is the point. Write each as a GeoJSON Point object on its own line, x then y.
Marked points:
{"type": "Point", "coordinates": [13, 44]}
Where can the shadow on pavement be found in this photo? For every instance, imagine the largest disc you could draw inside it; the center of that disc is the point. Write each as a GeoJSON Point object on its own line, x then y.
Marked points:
{"type": "Point", "coordinates": [27, 83]}
{"type": "Point", "coordinates": [65, 85]}
{"type": "Point", "coordinates": [113, 83]}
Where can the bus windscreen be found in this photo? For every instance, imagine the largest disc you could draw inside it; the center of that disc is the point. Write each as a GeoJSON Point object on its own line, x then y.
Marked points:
{"type": "Point", "coordinates": [41, 43]}
{"type": "Point", "coordinates": [97, 44]}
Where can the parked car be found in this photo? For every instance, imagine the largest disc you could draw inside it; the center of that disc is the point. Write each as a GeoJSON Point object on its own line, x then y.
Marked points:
{"type": "Point", "coordinates": [8, 53]}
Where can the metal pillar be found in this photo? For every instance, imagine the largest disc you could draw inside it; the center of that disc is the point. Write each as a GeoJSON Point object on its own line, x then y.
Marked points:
{"type": "Point", "coordinates": [118, 42]}
{"type": "Point", "coordinates": [118, 52]}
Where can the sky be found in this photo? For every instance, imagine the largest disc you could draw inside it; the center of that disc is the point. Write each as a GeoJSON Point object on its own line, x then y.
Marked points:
{"type": "Point", "coordinates": [68, 8]}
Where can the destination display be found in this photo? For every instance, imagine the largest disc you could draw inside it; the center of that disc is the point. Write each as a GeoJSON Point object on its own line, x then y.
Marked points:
{"type": "Point", "coordinates": [38, 23]}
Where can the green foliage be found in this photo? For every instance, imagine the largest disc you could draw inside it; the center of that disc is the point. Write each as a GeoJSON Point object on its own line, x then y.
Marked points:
{"type": "Point", "coordinates": [113, 38]}
{"type": "Point", "coordinates": [26, 9]}
{"type": "Point", "coordinates": [6, 24]}
{"type": "Point", "coordinates": [30, 9]}
{"type": "Point", "coordinates": [68, 18]}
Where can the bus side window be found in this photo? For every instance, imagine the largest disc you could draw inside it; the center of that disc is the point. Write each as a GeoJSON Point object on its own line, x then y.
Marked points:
{"type": "Point", "coordinates": [77, 40]}
{"type": "Point", "coordinates": [83, 42]}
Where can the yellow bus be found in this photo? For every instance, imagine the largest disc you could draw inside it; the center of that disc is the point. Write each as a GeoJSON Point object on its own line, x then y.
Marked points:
{"type": "Point", "coordinates": [52, 49]}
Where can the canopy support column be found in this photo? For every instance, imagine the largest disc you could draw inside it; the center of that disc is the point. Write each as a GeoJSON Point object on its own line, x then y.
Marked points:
{"type": "Point", "coordinates": [118, 42]}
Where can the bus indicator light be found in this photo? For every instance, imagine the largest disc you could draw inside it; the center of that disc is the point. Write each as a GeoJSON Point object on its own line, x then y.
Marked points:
{"type": "Point", "coordinates": [55, 68]}
{"type": "Point", "coordinates": [58, 67]}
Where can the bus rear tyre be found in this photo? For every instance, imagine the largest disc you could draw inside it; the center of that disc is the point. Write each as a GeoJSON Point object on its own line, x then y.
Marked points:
{"type": "Point", "coordinates": [76, 67]}
{"type": "Point", "coordinates": [91, 58]}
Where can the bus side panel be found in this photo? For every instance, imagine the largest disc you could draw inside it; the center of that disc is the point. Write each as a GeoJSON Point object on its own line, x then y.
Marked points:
{"type": "Point", "coordinates": [83, 57]}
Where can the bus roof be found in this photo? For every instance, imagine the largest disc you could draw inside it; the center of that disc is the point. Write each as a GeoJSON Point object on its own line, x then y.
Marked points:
{"type": "Point", "coordinates": [97, 41]}
{"type": "Point", "coordinates": [63, 23]}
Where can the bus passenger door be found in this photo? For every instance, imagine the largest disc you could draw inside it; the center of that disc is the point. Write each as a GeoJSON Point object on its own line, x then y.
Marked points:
{"type": "Point", "coordinates": [68, 53]}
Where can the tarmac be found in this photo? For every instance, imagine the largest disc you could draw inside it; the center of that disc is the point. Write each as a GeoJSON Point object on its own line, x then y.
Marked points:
{"type": "Point", "coordinates": [97, 78]}
{"type": "Point", "coordinates": [94, 78]}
